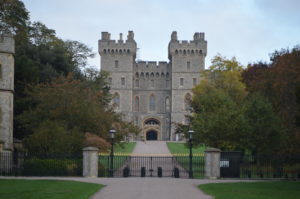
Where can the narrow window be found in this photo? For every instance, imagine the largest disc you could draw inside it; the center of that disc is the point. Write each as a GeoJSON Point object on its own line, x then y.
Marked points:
{"type": "Point", "coordinates": [137, 104]}
{"type": "Point", "coordinates": [116, 64]}
{"type": "Point", "coordinates": [187, 102]}
{"type": "Point", "coordinates": [167, 104]}
{"type": "Point", "coordinates": [194, 81]}
{"type": "Point", "coordinates": [152, 103]}
{"type": "Point", "coordinates": [116, 101]}
{"type": "Point", "coordinates": [110, 80]}
{"type": "Point", "coordinates": [188, 65]}
{"type": "Point", "coordinates": [123, 81]}
{"type": "Point", "coordinates": [181, 81]}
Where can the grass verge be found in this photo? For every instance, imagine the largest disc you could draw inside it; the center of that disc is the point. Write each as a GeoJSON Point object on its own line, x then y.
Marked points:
{"type": "Point", "coordinates": [181, 148]}
{"type": "Point", "coordinates": [253, 190]}
{"type": "Point", "coordinates": [50, 189]}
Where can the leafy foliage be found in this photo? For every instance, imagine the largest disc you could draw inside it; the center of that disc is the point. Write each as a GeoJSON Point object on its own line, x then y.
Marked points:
{"type": "Point", "coordinates": [227, 117]}
{"type": "Point", "coordinates": [279, 82]}
{"type": "Point", "coordinates": [64, 111]}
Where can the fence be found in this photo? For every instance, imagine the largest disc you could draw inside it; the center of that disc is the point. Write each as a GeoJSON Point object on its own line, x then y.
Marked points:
{"type": "Point", "coordinates": [25, 164]}
{"type": "Point", "coordinates": [237, 165]}
{"type": "Point", "coordinates": [270, 167]}
{"type": "Point", "coordinates": [151, 166]}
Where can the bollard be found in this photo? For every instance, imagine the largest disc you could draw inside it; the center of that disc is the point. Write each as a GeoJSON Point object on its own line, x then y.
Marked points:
{"type": "Point", "coordinates": [176, 172]}
{"type": "Point", "coordinates": [143, 172]}
{"type": "Point", "coordinates": [159, 172]}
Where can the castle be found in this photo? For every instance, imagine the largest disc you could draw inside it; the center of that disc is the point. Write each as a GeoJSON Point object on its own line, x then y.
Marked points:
{"type": "Point", "coordinates": [154, 96]}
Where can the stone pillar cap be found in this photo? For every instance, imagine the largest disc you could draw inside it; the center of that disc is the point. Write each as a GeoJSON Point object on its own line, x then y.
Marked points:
{"type": "Point", "coordinates": [212, 150]}
{"type": "Point", "coordinates": [90, 148]}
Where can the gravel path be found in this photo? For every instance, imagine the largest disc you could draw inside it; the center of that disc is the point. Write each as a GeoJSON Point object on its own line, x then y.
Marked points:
{"type": "Point", "coordinates": [151, 147]}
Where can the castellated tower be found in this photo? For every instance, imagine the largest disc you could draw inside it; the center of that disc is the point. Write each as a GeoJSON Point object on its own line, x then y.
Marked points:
{"type": "Point", "coordinates": [153, 95]}
{"type": "Point", "coordinates": [118, 58]}
{"type": "Point", "coordinates": [7, 50]}
{"type": "Point", "coordinates": [187, 59]}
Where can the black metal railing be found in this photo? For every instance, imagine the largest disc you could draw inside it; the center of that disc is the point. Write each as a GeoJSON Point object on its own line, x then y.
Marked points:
{"type": "Point", "coordinates": [237, 165]}
{"type": "Point", "coordinates": [151, 166]}
{"type": "Point", "coordinates": [28, 164]}
{"type": "Point", "coordinates": [270, 166]}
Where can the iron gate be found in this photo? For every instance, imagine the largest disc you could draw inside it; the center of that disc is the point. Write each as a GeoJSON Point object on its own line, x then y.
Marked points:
{"type": "Point", "coordinates": [230, 164]}
{"type": "Point", "coordinates": [151, 166]}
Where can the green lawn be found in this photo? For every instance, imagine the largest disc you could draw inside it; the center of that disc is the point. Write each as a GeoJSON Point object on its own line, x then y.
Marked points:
{"type": "Point", "coordinates": [126, 147]}
{"type": "Point", "coordinates": [253, 190]}
{"type": "Point", "coordinates": [180, 148]}
{"type": "Point", "coordinates": [46, 189]}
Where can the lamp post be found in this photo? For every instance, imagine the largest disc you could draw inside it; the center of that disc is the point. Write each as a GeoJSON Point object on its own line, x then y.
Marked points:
{"type": "Point", "coordinates": [112, 136]}
{"type": "Point", "coordinates": [191, 154]}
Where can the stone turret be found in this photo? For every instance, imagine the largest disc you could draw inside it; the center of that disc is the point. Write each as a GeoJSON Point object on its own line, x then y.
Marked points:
{"type": "Point", "coordinates": [7, 50]}
{"type": "Point", "coordinates": [118, 58]}
{"type": "Point", "coordinates": [187, 60]}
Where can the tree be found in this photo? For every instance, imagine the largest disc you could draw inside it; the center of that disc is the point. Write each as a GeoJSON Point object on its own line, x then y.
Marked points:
{"type": "Point", "coordinates": [225, 116]}
{"type": "Point", "coordinates": [217, 119]}
{"type": "Point", "coordinates": [264, 132]}
{"type": "Point", "coordinates": [13, 16]}
{"type": "Point", "coordinates": [278, 82]}
{"type": "Point", "coordinates": [73, 107]}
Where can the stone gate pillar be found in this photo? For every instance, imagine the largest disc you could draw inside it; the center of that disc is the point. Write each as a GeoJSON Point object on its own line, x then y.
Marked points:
{"type": "Point", "coordinates": [212, 163]}
{"type": "Point", "coordinates": [90, 162]}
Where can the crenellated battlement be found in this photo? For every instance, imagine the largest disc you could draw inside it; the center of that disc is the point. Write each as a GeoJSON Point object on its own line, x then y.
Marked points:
{"type": "Point", "coordinates": [7, 44]}
{"type": "Point", "coordinates": [109, 46]}
{"type": "Point", "coordinates": [152, 64]}
{"type": "Point", "coordinates": [197, 46]}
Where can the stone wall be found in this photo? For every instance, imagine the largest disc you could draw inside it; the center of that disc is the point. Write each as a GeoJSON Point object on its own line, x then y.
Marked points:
{"type": "Point", "coordinates": [6, 90]}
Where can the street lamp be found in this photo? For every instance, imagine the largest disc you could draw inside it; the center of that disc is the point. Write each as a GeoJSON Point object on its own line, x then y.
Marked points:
{"type": "Point", "coordinates": [190, 132]}
{"type": "Point", "coordinates": [112, 136]}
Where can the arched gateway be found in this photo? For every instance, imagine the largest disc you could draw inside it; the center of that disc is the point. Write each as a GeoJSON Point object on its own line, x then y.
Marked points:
{"type": "Point", "coordinates": [152, 129]}
{"type": "Point", "coordinates": [151, 135]}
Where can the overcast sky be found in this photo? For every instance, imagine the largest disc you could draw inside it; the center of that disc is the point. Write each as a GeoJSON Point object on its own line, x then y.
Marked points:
{"type": "Point", "coordinates": [248, 29]}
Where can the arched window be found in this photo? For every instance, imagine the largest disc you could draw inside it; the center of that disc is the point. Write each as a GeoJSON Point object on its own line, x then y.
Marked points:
{"type": "Point", "coordinates": [162, 75]}
{"type": "Point", "coordinates": [187, 102]}
{"type": "Point", "coordinates": [176, 51]}
{"type": "Point", "coordinates": [157, 75]}
{"type": "Point", "coordinates": [152, 103]}
{"type": "Point", "coordinates": [142, 74]}
{"type": "Point", "coordinates": [152, 122]}
{"type": "Point", "coordinates": [104, 51]}
{"type": "Point", "coordinates": [152, 75]}
{"type": "Point", "coordinates": [167, 104]}
{"type": "Point", "coordinates": [167, 75]}
{"type": "Point", "coordinates": [137, 75]}
{"type": "Point", "coordinates": [116, 101]}
{"type": "Point", "coordinates": [137, 83]}
{"type": "Point", "coordinates": [137, 104]}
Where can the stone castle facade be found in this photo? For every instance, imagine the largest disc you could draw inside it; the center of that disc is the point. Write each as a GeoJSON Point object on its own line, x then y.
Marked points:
{"type": "Point", "coordinates": [7, 50]}
{"type": "Point", "coordinates": [153, 95]}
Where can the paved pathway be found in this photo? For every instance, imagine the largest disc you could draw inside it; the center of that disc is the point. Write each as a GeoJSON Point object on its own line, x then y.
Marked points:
{"type": "Point", "coordinates": [151, 147]}
{"type": "Point", "coordinates": [144, 188]}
